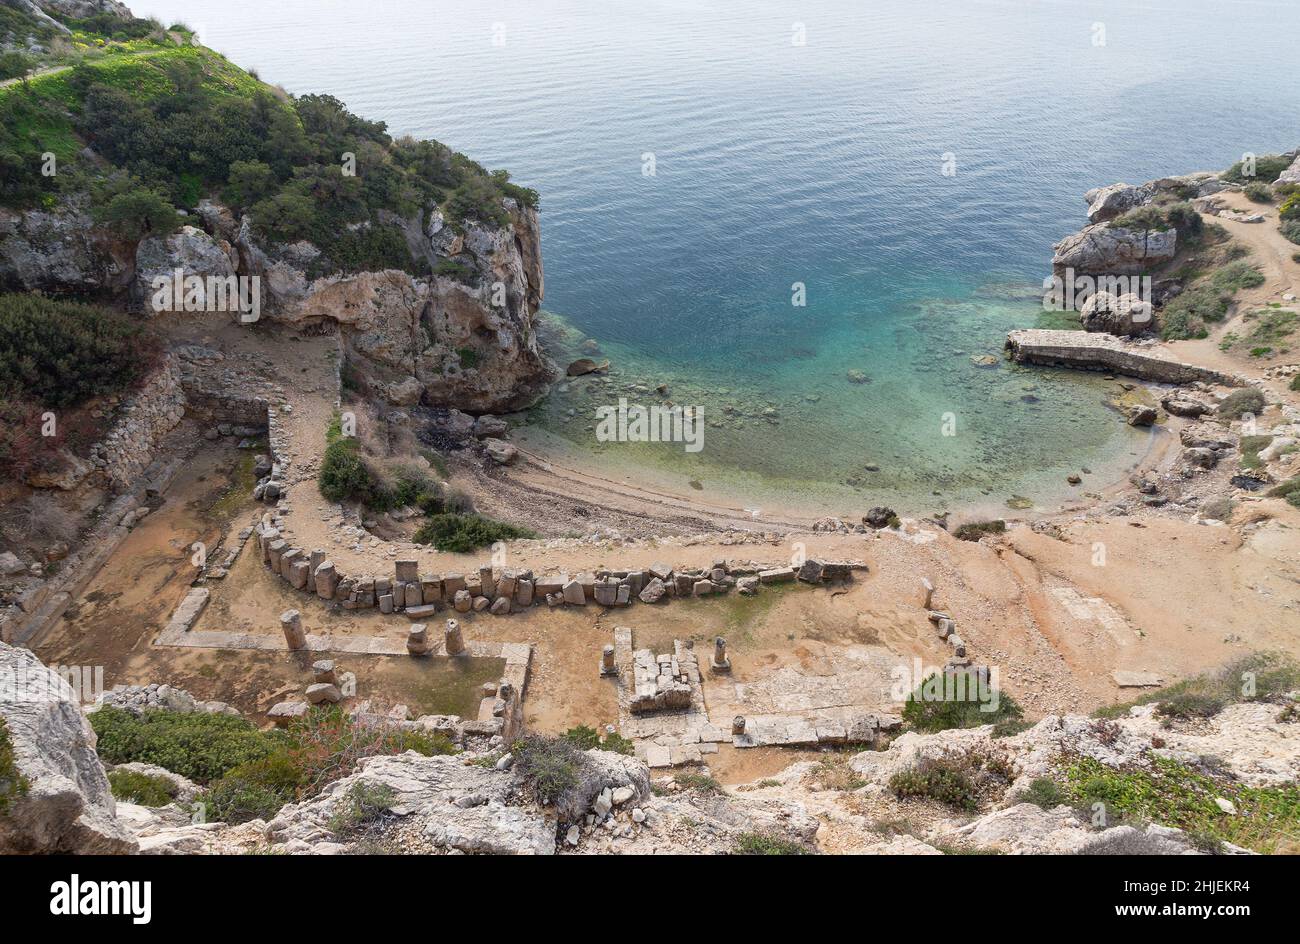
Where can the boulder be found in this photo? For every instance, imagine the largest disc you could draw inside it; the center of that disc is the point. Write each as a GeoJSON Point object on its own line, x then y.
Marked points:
{"type": "Point", "coordinates": [64, 805]}
{"type": "Point", "coordinates": [10, 565]}
{"type": "Point", "coordinates": [878, 517]}
{"type": "Point", "coordinates": [500, 451]}
{"type": "Point", "coordinates": [488, 426]}
{"type": "Point", "coordinates": [1184, 406]}
{"type": "Point", "coordinates": [1106, 203]}
{"type": "Point", "coordinates": [1102, 249]}
{"type": "Point", "coordinates": [1142, 415]}
{"type": "Point", "coordinates": [1122, 315]}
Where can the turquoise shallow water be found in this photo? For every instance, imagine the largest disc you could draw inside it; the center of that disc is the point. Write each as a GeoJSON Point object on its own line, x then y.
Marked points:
{"type": "Point", "coordinates": [820, 163]}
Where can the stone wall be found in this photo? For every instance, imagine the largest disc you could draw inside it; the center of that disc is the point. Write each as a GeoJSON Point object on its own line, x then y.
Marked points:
{"type": "Point", "coordinates": [141, 423]}
{"type": "Point", "coordinates": [400, 587]}
{"type": "Point", "coordinates": [1090, 351]}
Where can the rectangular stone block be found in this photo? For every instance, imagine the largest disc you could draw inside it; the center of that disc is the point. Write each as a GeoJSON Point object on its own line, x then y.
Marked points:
{"type": "Point", "coordinates": [414, 596]}
{"type": "Point", "coordinates": [777, 575]}
{"type": "Point", "coordinates": [407, 571]}
{"type": "Point", "coordinates": [431, 589]}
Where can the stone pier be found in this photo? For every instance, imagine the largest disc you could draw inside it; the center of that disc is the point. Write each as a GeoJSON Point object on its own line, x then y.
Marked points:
{"type": "Point", "coordinates": [1087, 350]}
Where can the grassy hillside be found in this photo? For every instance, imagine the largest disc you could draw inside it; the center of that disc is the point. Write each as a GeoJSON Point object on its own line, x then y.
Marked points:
{"type": "Point", "coordinates": [169, 122]}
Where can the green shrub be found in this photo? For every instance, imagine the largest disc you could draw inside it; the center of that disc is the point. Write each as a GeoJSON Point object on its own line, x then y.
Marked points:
{"type": "Point", "coordinates": [948, 700]}
{"type": "Point", "coordinates": [1261, 676]}
{"type": "Point", "coordinates": [1185, 705]}
{"type": "Point", "coordinates": [131, 786]}
{"type": "Point", "coordinates": [550, 765]}
{"type": "Point", "coordinates": [464, 533]}
{"type": "Point", "coordinates": [1290, 208]}
{"type": "Point", "coordinates": [62, 353]}
{"type": "Point", "coordinates": [344, 475]}
{"type": "Point", "coordinates": [1247, 400]}
{"type": "Point", "coordinates": [1045, 793]}
{"type": "Point", "coordinates": [583, 737]}
{"type": "Point", "coordinates": [1172, 794]}
{"type": "Point", "coordinates": [1186, 315]}
{"type": "Point", "coordinates": [1237, 275]}
{"type": "Point", "coordinates": [974, 530]}
{"type": "Point", "coordinates": [766, 844]}
{"type": "Point", "coordinates": [958, 782]}
{"type": "Point", "coordinates": [255, 790]}
{"type": "Point", "coordinates": [196, 745]}
{"type": "Point", "coordinates": [12, 783]}
{"type": "Point", "coordinates": [1291, 230]}
{"type": "Point", "coordinates": [1267, 167]}
{"type": "Point", "coordinates": [702, 782]}
{"type": "Point", "coordinates": [363, 805]}
{"type": "Point", "coordinates": [15, 65]}
{"type": "Point", "coordinates": [138, 213]}
{"type": "Point", "coordinates": [1295, 381]}
{"type": "Point", "coordinates": [1259, 192]}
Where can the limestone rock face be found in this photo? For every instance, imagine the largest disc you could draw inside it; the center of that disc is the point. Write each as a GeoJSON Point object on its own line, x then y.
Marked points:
{"type": "Point", "coordinates": [468, 340]}
{"type": "Point", "coordinates": [191, 250]}
{"type": "Point", "coordinates": [68, 806]}
{"type": "Point", "coordinates": [1025, 829]}
{"type": "Point", "coordinates": [1104, 249]}
{"type": "Point", "coordinates": [459, 807]}
{"type": "Point", "coordinates": [1106, 203]}
{"type": "Point", "coordinates": [60, 250]}
{"type": "Point", "coordinates": [1291, 175]}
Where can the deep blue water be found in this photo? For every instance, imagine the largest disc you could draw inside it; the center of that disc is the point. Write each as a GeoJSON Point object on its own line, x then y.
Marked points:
{"type": "Point", "coordinates": [820, 163]}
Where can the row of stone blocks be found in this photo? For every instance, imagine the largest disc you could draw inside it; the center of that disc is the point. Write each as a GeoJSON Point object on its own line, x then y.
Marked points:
{"type": "Point", "coordinates": [505, 591]}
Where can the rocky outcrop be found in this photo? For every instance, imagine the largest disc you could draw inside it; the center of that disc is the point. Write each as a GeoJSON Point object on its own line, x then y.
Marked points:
{"type": "Point", "coordinates": [68, 806]}
{"type": "Point", "coordinates": [1124, 315]}
{"type": "Point", "coordinates": [191, 250]}
{"type": "Point", "coordinates": [60, 251]}
{"type": "Point", "coordinates": [1106, 203]}
{"type": "Point", "coordinates": [1291, 175]}
{"type": "Point", "coordinates": [1102, 249]}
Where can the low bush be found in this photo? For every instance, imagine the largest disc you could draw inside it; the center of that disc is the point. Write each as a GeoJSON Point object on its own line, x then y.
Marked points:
{"type": "Point", "coordinates": [12, 783]}
{"type": "Point", "coordinates": [1220, 509]}
{"type": "Point", "coordinates": [766, 844]}
{"type": "Point", "coordinates": [1237, 275]}
{"type": "Point", "coordinates": [363, 805]}
{"type": "Point", "coordinates": [1187, 315]}
{"type": "Point", "coordinates": [587, 738]}
{"type": "Point", "coordinates": [1262, 676]}
{"type": "Point", "coordinates": [961, 782]}
{"type": "Point", "coordinates": [1267, 167]}
{"type": "Point", "coordinates": [1045, 793]}
{"type": "Point", "coordinates": [1172, 794]}
{"type": "Point", "coordinates": [1291, 230]}
{"type": "Point", "coordinates": [702, 782]}
{"type": "Point", "coordinates": [251, 774]}
{"type": "Point", "coordinates": [62, 353]}
{"type": "Point", "coordinates": [1259, 192]}
{"type": "Point", "coordinates": [1237, 404]}
{"type": "Point", "coordinates": [131, 786]}
{"type": "Point", "coordinates": [974, 530]}
{"type": "Point", "coordinates": [457, 533]}
{"type": "Point", "coordinates": [196, 745]}
{"type": "Point", "coordinates": [949, 700]}
{"type": "Point", "coordinates": [550, 765]}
